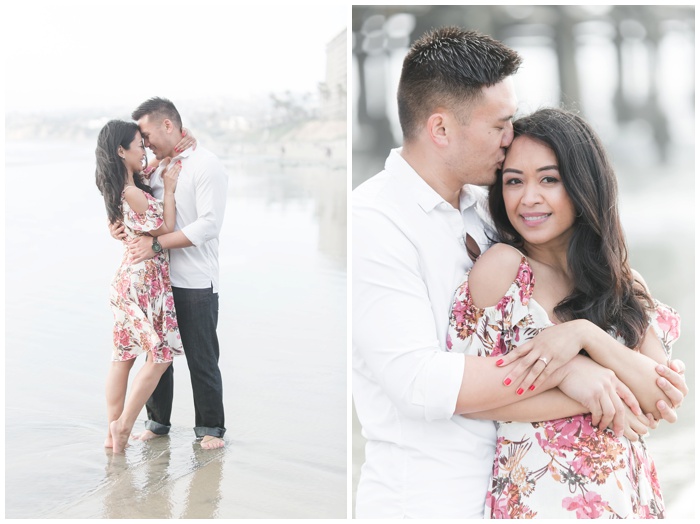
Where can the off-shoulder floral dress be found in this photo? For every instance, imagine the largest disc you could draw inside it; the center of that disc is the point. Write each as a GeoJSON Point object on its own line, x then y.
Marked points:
{"type": "Point", "coordinates": [141, 296]}
{"type": "Point", "coordinates": [564, 468]}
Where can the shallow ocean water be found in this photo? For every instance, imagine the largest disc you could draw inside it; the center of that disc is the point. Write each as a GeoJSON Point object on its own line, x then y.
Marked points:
{"type": "Point", "coordinates": [282, 330]}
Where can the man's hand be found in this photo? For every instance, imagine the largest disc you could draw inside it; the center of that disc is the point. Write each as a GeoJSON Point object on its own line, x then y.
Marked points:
{"type": "Point", "coordinates": [678, 366]}
{"type": "Point", "coordinates": [117, 231]}
{"type": "Point", "coordinates": [672, 383]}
{"type": "Point", "coordinates": [600, 391]}
{"type": "Point", "coordinates": [140, 249]}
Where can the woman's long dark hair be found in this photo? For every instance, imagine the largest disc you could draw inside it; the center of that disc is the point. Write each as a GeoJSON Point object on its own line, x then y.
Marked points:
{"type": "Point", "coordinates": [111, 173]}
{"type": "Point", "coordinates": [604, 288]}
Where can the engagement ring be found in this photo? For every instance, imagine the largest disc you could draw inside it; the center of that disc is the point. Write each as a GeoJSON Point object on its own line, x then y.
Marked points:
{"type": "Point", "coordinates": [543, 359]}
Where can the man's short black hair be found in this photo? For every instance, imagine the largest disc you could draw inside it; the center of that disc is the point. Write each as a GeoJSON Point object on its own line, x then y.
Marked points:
{"type": "Point", "coordinates": [161, 107]}
{"type": "Point", "coordinates": [447, 67]}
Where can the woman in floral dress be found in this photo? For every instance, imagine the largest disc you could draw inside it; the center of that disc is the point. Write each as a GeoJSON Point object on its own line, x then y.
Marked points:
{"type": "Point", "coordinates": [563, 258]}
{"type": "Point", "coordinates": [141, 296]}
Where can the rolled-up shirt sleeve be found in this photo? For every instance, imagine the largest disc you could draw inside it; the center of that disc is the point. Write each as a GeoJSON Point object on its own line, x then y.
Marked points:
{"type": "Point", "coordinates": [211, 190]}
{"type": "Point", "coordinates": [393, 326]}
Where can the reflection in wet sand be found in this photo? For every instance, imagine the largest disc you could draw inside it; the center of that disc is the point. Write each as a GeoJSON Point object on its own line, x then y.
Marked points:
{"type": "Point", "coordinates": [144, 485]}
{"type": "Point", "coordinates": [204, 503]}
{"type": "Point", "coordinates": [153, 480]}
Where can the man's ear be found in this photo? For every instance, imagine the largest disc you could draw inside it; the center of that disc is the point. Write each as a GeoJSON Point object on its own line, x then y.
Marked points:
{"type": "Point", "coordinates": [169, 127]}
{"type": "Point", "coordinates": [436, 126]}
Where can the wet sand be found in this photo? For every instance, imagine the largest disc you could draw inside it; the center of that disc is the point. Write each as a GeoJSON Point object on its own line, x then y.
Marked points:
{"type": "Point", "coordinates": [282, 330]}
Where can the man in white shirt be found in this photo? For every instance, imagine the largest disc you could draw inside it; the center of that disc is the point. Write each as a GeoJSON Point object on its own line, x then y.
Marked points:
{"type": "Point", "coordinates": [194, 269]}
{"type": "Point", "coordinates": [414, 225]}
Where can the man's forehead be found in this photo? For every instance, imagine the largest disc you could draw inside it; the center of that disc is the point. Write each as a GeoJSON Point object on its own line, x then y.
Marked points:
{"type": "Point", "coordinates": [148, 121]}
{"type": "Point", "coordinates": [144, 121]}
{"type": "Point", "coordinates": [500, 100]}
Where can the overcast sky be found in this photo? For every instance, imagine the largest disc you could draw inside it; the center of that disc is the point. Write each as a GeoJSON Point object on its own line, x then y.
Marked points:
{"type": "Point", "coordinates": [66, 55]}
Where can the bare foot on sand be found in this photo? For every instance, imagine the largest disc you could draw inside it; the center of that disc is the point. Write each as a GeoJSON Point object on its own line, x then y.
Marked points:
{"type": "Point", "coordinates": [120, 437]}
{"type": "Point", "coordinates": [146, 435]}
{"type": "Point", "coordinates": [209, 442]}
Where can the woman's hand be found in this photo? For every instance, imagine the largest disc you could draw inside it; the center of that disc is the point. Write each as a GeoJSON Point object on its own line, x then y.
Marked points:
{"type": "Point", "coordinates": [599, 390]}
{"type": "Point", "coordinates": [151, 167]}
{"type": "Point", "coordinates": [636, 425]}
{"type": "Point", "coordinates": [170, 177]}
{"type": "Point", "coordinates": [538, 358]}
{"type": "Point", "coordinates": [188, 140]}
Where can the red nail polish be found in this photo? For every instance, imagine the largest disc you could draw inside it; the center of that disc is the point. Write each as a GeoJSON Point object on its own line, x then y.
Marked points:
{"type": "Point", "coordinates": [499, 362]}
{"type": "Point", "coordinates": [507, 382]}
{"type": "Point", "coordinates": [520, 391]}
{"type": "Point", "coordinates": [531, 388]}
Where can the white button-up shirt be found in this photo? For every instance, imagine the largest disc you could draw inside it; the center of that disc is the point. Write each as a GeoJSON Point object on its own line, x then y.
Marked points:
{"type": "Point", "coordinates": [408, 257]}
{"type": "Point", "coordinates": [200, 202]}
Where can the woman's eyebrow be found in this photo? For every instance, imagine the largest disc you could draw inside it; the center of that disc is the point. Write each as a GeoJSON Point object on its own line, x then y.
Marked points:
{"type": "Point", "coordinates": [543, 168]}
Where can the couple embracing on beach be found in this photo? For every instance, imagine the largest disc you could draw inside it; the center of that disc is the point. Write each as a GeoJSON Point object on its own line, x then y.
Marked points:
{"type": "Point", "coordinates": [164, 295]}
{"type": "Point", "coordinates": [507, 360]}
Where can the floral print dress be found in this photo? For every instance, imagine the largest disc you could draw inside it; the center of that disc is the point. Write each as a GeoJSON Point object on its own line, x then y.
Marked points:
{"type": "Point", "coordinates": [565, 468]}
{"type": "Point", "coordinates": [141, 296]}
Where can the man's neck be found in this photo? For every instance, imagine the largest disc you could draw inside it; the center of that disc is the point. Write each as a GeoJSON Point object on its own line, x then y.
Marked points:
{"type": "Point", "coordinates": [170, 154]}
{"type": "Point", "coordinates": [433, 173]}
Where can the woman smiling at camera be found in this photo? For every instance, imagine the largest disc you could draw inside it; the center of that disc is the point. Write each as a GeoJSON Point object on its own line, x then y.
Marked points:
{"type": "Point", "coordinates": [563, 258]}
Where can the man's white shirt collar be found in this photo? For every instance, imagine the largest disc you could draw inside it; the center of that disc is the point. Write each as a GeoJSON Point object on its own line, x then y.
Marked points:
{"type": "Point", "coordinates": [428, 199]}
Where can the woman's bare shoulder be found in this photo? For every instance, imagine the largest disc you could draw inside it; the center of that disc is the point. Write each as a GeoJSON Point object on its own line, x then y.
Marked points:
{"type": "Point", "coordinates": [493, 274]}
{"type": "Point", "coordinates": [136, 199]}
